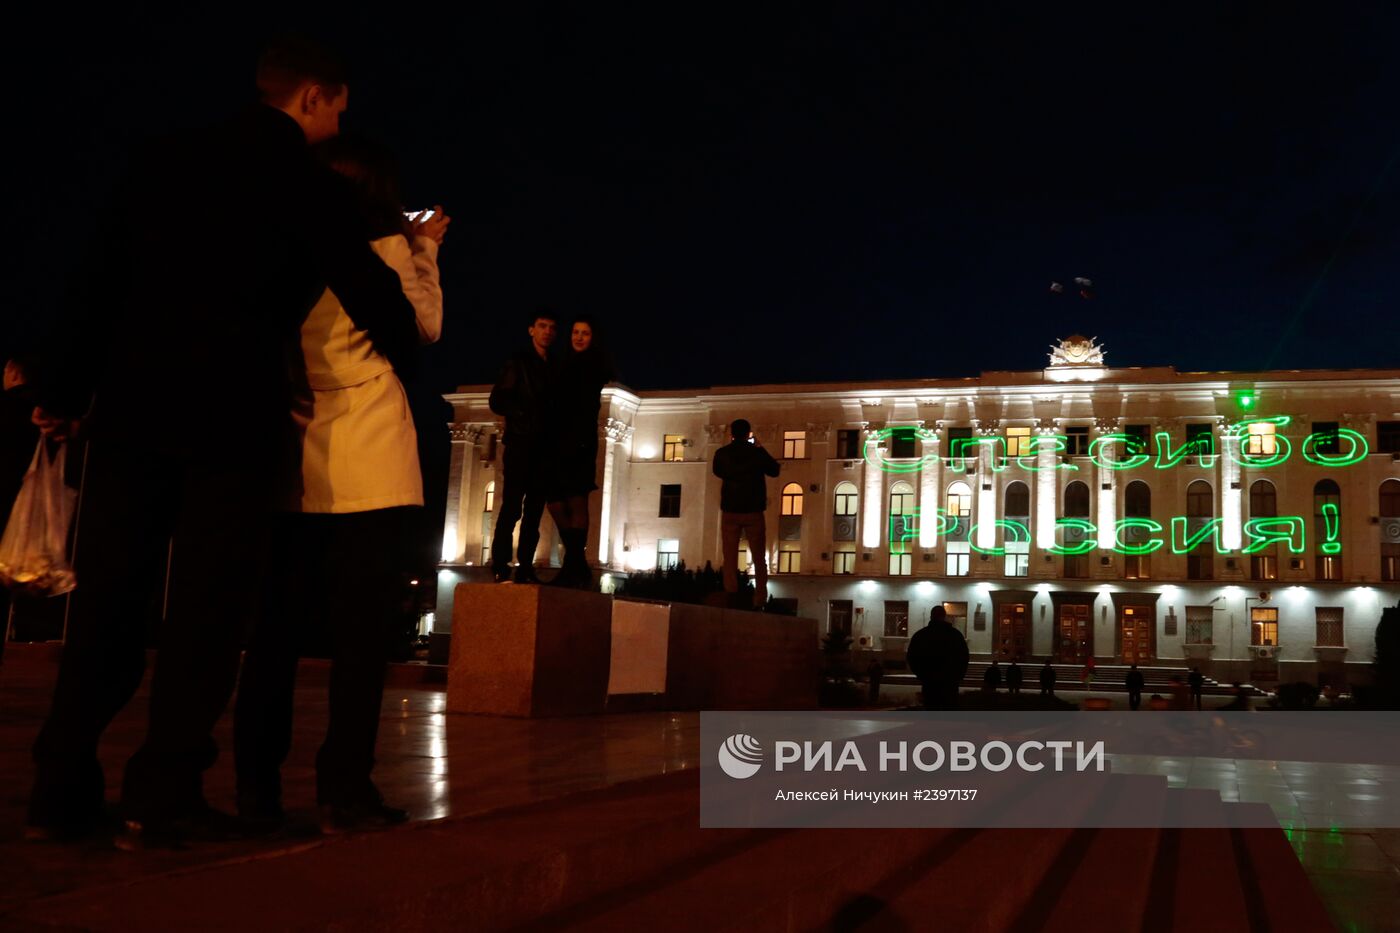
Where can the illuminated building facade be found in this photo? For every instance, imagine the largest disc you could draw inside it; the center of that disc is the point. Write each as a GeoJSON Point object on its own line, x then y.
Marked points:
{"type": "Point", "coordinates": [1248, 523]}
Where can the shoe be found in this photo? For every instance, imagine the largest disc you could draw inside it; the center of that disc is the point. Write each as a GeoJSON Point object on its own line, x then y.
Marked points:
{"type": "Point", "coordinates": [73, 825]}
{"type": "Point", "coordinates": [179, 832]}
{"type": "Point", "coordinates": [525, 574]}
{"type": "Point", "coordinates": [371, 813]}
{"type": "Point", "coordinates": [260, 816]}
{"type": "Point", "coordinates": [501, 573]}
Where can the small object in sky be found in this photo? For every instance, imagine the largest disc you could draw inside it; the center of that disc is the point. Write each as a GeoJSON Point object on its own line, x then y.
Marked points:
{"type": "Point", "coordinates": [1086, 286]}
{"type": "Point", "coordinates": [1057, 288]}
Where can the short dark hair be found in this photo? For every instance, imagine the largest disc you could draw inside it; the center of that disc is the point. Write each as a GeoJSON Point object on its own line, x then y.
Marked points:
{"type": "Point", "coordinates": [938, 614]}
{"type": "Point", "coordinates": [288, 62]}
{"type": "Point", "coordinates": [373, 173]}
{"type": "Point", "coordinates": [739, 429]}
{"type": "Point", "coordinates": [546, 314]}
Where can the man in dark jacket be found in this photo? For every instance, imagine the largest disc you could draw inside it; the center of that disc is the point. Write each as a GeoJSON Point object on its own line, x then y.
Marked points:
{"type": "Point", "coordinates": [743, 465]}
{"type": "Point", "coordinates": [521, 396]}
{"type": "Point", "coordinates": [184, 340]}
{"type": "Point", "coordinates": [1197, 681]}
{"type": "Point", "coordinates": [1013, 678]}
{"type": "Point", "coordinates": [1047, 680]}
{"type": "Point", "coordinates": [1133, 680]}
{"type": "Point", "coordinates": [937, 655]}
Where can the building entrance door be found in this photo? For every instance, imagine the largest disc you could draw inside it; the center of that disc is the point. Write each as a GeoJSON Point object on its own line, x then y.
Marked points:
{"type": "Point", "coordinates": [1138, 627]}
{"type": "Point", "coordinates": [1076, 633]}
{"type": "Point", "coordinates": [1013, 632]}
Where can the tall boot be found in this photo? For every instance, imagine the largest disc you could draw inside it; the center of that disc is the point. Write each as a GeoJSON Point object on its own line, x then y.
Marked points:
{"type": "Point", "coordinates": [576, 567]}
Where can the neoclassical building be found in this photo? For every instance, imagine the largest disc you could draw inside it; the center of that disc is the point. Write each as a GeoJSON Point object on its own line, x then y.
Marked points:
{"type": "Point", "coordinates": [1245, 522]}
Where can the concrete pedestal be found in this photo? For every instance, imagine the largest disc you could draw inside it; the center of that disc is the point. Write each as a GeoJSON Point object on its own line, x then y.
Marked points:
{"type": "Point", "coordinates": [524, 650]}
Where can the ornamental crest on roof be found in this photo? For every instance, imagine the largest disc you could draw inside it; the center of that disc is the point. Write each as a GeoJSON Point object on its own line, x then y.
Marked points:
{"type": "Point", "coordinates": [1076, 350]}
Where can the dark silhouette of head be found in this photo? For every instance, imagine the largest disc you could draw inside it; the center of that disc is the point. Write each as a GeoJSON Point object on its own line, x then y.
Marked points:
{"type": "Point", "coordinates": [740, 429]}
{"type": "Point", "coordinates": [373, 171]}
{"type": "Point", "coordinates": [307, 82]}
{"type": "Point", "coordinates": [937, 614]}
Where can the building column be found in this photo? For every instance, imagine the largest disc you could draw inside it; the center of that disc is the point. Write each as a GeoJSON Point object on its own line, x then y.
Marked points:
{"type": "Point", "coordinates": [1046, 485]}
{"type": "Point", "coordinates": [1106, 484]}
{"type": "Point", "coordinates": [616, 440]}
{"type": "Point", "coordinates": [1231, 484]}
{"type": "Point", "coordinates": [929, 483]}
{"type": "Point", "coordinates": [986, 515]}
{"type": "Point", "coordinates": [873, 509]}
{"type": "Point", "coordinates": [459, 488]}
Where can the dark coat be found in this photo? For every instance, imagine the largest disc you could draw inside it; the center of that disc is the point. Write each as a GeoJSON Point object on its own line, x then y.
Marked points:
{"type": "Point", "coordinates": [1133, 680]}
{"type": "Point", "coordinates": [937, 654]}
{"type": "Point", "coordinates": [187, 314]}
{"type": "Point", "coordinates": [577, 401]}
{"type": "Point", "coordinates": [1047, 677]}
{"type": "Point", "coordinates": [524, 396]}
{"type": "Point", "coordinates": [742, 466]}
{"type": "Point", "coordinates": [1013, 676]}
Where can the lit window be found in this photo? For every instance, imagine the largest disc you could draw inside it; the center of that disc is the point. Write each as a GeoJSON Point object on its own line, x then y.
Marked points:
{"type": "Point", "coordinates": [901, 564]}
{"type": "Point", "coordinates": [789, 559]}
{"type": "Point", "coordinates": [1263, 566]}
{"type": "Point", "coordinates": [847, 499]}
{"type": "Point", "coordinates": [957, 616]}
{"type": "Point", "coordinates": [1137, 567]}
{"type": "Point", "coordinates": [960, 500]}
{"type": "Point", "coordinates": [490, 497]}
{"type": "Point", "coordinates": [1263, 627]}
{"type": "Point", "coordinates": [794, 445]}
{"type": "Point", "coordinates": [843, 562]}
{"type": "Point", "coordinates": [792, 499]}
{"type": "Point", "coordinates": [1018, 565]}
{"type": "Point", "coordinates": [902, 499]}
{"type": "Point", "coordinates": [668, 553]}
{"type": "Point", "coordinates": [1261, 440]}
{"type": "Point", "coordinates": [673, 448]}
{"type": "Point", "coordinates": [957, 565]}
{"type": "Point", "coordinates": [1018, 442]}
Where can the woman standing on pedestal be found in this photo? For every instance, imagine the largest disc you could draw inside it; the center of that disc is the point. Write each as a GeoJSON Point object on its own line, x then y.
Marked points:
{"type": "Point", "coordinates": [586, 368]}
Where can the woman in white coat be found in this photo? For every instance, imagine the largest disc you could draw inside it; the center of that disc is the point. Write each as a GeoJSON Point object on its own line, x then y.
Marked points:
{"type": "Point", "coordinates": [351, 481]}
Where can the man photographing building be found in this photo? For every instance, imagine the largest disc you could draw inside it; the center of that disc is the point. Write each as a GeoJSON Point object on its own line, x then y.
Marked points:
{"type": "Point", "coordinates": [742, 464]}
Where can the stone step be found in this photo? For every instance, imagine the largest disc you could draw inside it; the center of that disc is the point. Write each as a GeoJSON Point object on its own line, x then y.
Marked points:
{"type": "Point", "coordinates": [1196, 876]}
{"type": "Point", "coordinates": [1286, 899]}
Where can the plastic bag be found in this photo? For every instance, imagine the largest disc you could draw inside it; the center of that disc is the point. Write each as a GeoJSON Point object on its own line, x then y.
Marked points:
{"type": "Point", "coordinates": [34, 548]}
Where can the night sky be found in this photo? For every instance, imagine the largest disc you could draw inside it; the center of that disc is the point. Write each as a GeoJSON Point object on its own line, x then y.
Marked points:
{"type": "Point", "coordinates": [811, 192]}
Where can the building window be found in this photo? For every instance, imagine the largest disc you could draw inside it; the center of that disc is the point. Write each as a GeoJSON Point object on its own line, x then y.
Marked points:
{"type": "Point", "coordinates": [792, 499]}
{"type": "Point", "coordinates": [896, 618]}
{"type": "Point", "coordinates": [960, 502]}
{"type": "Point", "coordinates": [1200, 506]}
{"type": "Point", "coordinates": [1263, 503]}
{"type": "Point", "coordinates": [670, 501]}
{"type": "Point", "coordinates": [1137, 503]}
{"type": "Point", "coordinates": [843, 562]}
{"type": "Point", "coordinates": [848, 444]}
{"type": "Point", "coordinates": [1137, 438]}
{"type": "Point", "coordinates": [1327, 440]}
{"type": "Point", "coordinates": [1018, 565]}
{"type": "Point", "coordinates": [668, 553]}
{"type": "Point", "coordinates": [901, 499]}
{"type": "Point", "coordinates": [1327, 512]}
{"type": "Point", "coordinates": [901, 564]}
{"type": "Point", "coordinates": [490, 455]}
{"type": "Point", "coordinates": [1077, 442]}
{"type": "Point", "coordinates": [957, 565]}
{"type": "Point", "coordinates": [847, 499]}
{"type": "Point", "coordinates": [1329, 627]}
{"type": "Point", "coordinates": [955, 437]}
{"type": "Point", "coordinates": [794, 445]}
{"type": "Point", "coordinates": [789, 559]}
{"type": "Point", "coordinates": [902, 444]}
{"type": "Point", "coordinates": [490, 497]}
{"type": "Point", "coordinates": [673, 448]}
{"type": "Point", "coordinates": [1388, 437]}
{"type": "Point", "coordinates": [1137, 566]}
{"type": "Point", "coordinates": [1137, 500]}
{"type": "Point", "coordinates": [1199, 624]}
{"type": "Point", "coordinates": [838, 618]}
{"type": "Point", "coordinates": [1263, 626]}
{"type": "Point", "coordinates": [1076, 566]}
{"type": "Point", "coordinates": [957, 616]}
{"type": "Point", "coordinates": [1261, 441]}
{"type": "Point", "coordinates": [1390, 530]}
{"type": "Point", "coordinates": [1018, 500]}
{"type": "Point", "coordinates": [1018, 442]}
{"type": "Point", "coordinates": [1201, 440]}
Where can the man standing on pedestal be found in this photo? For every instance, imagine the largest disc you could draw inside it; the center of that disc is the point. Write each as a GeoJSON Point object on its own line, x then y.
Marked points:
{"type": "Point", "coordinates": [522, 396]}
{"type": "Point", "coordinates": [742, 464]}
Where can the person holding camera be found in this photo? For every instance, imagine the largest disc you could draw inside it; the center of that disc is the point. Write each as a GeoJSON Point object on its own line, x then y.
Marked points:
{"type": "Point", "coordinates": [743, 466]}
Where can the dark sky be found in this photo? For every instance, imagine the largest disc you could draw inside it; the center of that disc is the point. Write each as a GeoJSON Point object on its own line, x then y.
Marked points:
{"type": "Point", "coordinates": [814, 191]}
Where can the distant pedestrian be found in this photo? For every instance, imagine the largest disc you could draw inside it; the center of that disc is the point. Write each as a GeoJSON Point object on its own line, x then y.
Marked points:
{"type": "Point", "coordinates": [1047, 680]}
{"type": "Point", "coordinates": [1197, 681]}
{"type": "Point", "coordinates": [1086, 676]}
{"type": "Point", "coordinates": [991, 681]}
{"type": "Point", "coordinates": [1133, 680]}
{"type": "Point", "coordinates": [1013, 678]}
{"type": "Point", "coordinates": [937, 655]}
{"type": "Point", "coordinates": [874, 675]}
{"type": "Point", "coordinates": [742, 465]}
